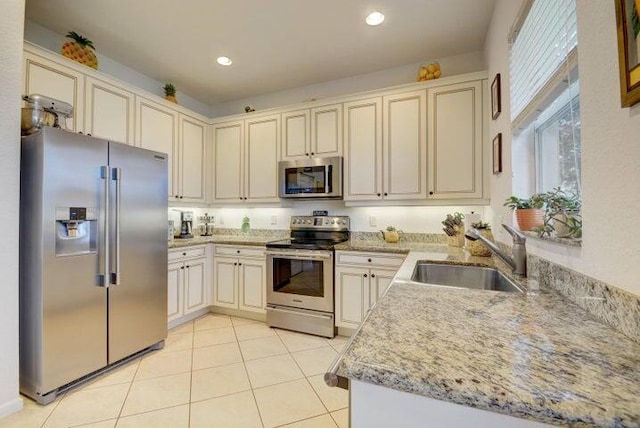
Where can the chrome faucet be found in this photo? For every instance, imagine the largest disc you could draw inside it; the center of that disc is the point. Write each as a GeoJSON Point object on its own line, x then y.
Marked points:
{"type": "Point", "coordinates": [517, 262]}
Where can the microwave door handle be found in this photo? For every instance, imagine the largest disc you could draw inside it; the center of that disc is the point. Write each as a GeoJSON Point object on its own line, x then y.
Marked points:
{"type": "Point", "coordinates": [328, 171]}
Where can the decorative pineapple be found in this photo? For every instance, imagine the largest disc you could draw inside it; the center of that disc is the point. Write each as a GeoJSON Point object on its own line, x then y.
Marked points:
{"type": "Point", "coordinates": [170, 92]}
{"type": "Point", "coordinates": [80, 49]}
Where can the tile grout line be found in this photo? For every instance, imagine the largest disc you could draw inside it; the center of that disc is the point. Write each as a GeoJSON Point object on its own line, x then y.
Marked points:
{"type": "Point", "coordinates": [128, 391]}
{"type": "Point", "coordinates": [193, 340]}
{"type": "Point", "coordinates": [255, 401]}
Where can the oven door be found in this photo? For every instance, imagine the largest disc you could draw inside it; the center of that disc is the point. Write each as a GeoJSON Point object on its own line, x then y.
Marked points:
{"type": "Point", "coordinates": [300, 279]}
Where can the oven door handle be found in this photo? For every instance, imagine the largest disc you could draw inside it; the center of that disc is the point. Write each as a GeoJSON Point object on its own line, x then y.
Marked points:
{"type": "Point", "coordinates": [300, 256]}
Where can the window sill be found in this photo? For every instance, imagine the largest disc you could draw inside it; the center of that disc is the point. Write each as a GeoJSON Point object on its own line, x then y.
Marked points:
{"type": "Point", "coordinates": [570, 242]}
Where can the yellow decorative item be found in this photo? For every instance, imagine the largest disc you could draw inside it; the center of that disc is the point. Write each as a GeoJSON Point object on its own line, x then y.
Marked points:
{"type": "Point", "coordinates": [429, 72]}
{"type": "Point", "coordinates": [391, 235]}
{"type": "Point", "coordinates": [80, 49]}
{"type": "Point", "coordinates": [477, 248]}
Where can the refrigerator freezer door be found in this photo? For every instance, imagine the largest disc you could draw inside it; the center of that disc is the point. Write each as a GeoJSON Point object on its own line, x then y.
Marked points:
{"type": "Point", "coordinates": [138, 290]}
{"type": "Point", "coordinates": [63, 308]}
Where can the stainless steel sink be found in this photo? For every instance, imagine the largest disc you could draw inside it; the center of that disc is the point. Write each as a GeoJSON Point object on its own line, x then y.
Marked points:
{"type": "Point", "coordinates": [478, 278]}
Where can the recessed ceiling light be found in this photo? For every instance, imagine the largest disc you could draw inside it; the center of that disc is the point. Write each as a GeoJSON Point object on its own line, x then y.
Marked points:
{"type": "Point", "coordinates": [375, 18]}
{"type": "Point", "coordinates": [223, 60]}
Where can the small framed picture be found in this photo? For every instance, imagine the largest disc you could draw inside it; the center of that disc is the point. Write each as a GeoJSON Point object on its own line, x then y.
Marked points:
{"type": "Point", "coordinates": [497, 154]}
{"type": "Point", "coordinates": [496, 102]}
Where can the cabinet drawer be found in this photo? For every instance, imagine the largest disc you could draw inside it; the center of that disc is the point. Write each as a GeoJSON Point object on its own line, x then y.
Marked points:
{"type": "Point", "coordinates": [186, 253]}
{"type": "Point", "coordinates": [221, 250]}
{"type": "Point", "coordinates": [369, 259]}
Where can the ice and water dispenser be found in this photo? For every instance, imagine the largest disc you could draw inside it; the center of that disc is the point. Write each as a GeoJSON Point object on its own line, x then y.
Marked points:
{"type": "Point", "coordinates": [76, 231]}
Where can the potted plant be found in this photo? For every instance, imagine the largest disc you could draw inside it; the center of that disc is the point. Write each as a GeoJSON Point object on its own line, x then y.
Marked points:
{"type": "Point", "coordinates": [391, 235]}
{"type": "Point", "coordinates": [529, 212]}
{"type": "Point", "coordinates": [562, 214]}
{"type": "Point", "coordinates": [477, 248]}
{"type": "Point", "coordinates": [170, 92]}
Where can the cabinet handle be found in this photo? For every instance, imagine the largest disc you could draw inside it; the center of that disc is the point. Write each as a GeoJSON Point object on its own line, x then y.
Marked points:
{"type": "Point", "coordinates": [245, 198]}
{"type": "Point", "coordinates": [181, 267]}
{"type": "Point", "coordinates": [180, 197]}
{"type": "Point", "coordinates": [386, 194]}
{"type": "Point", "coordinates": [431, 193]}
{"type": "Point", "coordinates": [89, 134]}
{"type": "Point", "coordinates": [369, 260]}
{"type": "Point", "coordinates": [239, 264]}
{"type": "Point", "coordinates": [176, 196]}
{"type": "Point", "coordinates": [379, 194]}
{"type": "Point", "coordinates": [373, 275]}
{"type": "Point", "coordinates": [238, 251]}
{"type": "Point", "coordinates": [312, 153]}
{"type": "Point", "coordinates": [307, 154]}
{"type": "Point", "coordinates": [184, 254]}
{"type": "Point", "coordinates": [235, 264]}
{"type": "Point", "coordinates": [365, 275]}
{"type": "Point", "coordinates": [187, 266]}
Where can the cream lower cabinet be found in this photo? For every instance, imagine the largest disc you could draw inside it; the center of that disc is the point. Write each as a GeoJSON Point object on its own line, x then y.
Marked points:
{"type": "Point", "coordinates": [455, 142]}
{"type": "Point", "coordinates": [189, 279]}
{"type": "Point", "coordinates": [360, 279]}
{"type": "Point", "coordinates": [240, 278]}
{"type": "Point", "coordinates": [246, 160]}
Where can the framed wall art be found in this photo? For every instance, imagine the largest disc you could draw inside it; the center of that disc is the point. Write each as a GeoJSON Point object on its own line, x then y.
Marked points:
{"type": "Point", "coordinates": [497, 154]}
{"type": "Point", "coordinates": [496, 102]}
{"type": "Point", "coordinates": [628, 23]}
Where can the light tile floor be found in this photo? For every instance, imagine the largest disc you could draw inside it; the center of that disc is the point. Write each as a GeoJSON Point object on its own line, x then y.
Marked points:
{"type": "Point", "coordinates": [217, 371]}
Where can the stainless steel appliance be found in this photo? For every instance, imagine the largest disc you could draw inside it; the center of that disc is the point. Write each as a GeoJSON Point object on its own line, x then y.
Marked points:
{"type": "Point", "coordinates": [44, 111]}
{"type": "Point", "coordinates": [311, 178]}
{"type": "Point", "coordinates": [93, 258]}
{"type": "Point", "coordinates": [186, 224]}
{"type": "Point", "coordinates": [300, 289]}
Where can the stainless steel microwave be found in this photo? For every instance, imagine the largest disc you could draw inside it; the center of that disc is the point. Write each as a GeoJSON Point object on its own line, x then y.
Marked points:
{"type": "Point", "coordinates": [311, 178]}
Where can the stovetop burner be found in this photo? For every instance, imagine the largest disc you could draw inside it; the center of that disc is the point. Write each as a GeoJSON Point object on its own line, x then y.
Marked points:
{"type": "Point", "coordinates": [315, 233]}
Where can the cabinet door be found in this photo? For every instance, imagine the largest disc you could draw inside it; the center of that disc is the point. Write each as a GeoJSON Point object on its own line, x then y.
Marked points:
{"type": "Point", "coordinates": [295, 135]}
{"type": "Point", "coordinates": [225, 283]}
{"type": "Point", "coordinates": [227, 141]}
{"type": "Point", "coordinates": [109, 112]}
{"type": "Point", "coordinates": [326, 131]}
{"type": "Point", "coordinates": [252, 285]}
{"type": "Point", "coordinates": [352, 287]}
{"type": "Point", "coordinates": [175, 279]}
{"type": "Point", "coordinates": [363, 150]}
{"type": "Point", "coordinates": [192, 159]}
{"type": "Point", "coordinates": [405, 146]}
{"type": "Point", "coordinates": [157, 129]}
{"type": "Point", "coordinates": [379, 280]}
{"type": "Point", "coordinates": [51, 79]}
{"type": "Point", "coordinates": [455, 141]}
{"type": "Point", "coordinates": [262, 142]}
{"type": "Point", "coordinates": [195, 292]}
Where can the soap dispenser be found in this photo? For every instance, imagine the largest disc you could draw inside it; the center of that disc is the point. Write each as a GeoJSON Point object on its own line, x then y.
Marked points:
{"type": "Point", "coordinates": [246, 227]}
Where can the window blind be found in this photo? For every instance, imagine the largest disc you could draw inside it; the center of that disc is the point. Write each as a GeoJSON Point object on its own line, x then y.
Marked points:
{"type": "Point", "coordinates": [543, 55]}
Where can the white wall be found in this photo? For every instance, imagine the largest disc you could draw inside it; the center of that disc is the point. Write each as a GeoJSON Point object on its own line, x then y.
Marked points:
{"type": "Point", "coordinates": [459, 64]}
{"type": "Point", "coordinates": [409, 219]}
{"type": "Point", "coordinates": [11, 23]}
{"type": "Point", "coordinates": [610, 150]}
{"type": "Point", "coordinates": [53, 41]}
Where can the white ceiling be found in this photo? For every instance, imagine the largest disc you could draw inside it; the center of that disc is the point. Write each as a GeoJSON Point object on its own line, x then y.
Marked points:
{"type": "Point", "coordinates": [274, 44]}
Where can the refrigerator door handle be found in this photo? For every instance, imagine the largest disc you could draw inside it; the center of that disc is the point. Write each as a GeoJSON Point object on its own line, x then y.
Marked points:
{"type": "Point", "coordinates": [104, 261]}
{"type": "Point", "coordinates": [116, 175]}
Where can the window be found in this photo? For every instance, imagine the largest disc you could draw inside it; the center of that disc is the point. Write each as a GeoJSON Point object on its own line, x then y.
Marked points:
{"type": "Point", "coordinates": [545, 107]}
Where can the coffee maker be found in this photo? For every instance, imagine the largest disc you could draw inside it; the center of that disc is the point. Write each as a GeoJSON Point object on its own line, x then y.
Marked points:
{"type": "Point", "coordinates": [186, 224]}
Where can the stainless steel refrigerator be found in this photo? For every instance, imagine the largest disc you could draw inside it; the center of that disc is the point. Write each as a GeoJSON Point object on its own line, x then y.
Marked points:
{"type": "Point", "coordinates": [93, 257]}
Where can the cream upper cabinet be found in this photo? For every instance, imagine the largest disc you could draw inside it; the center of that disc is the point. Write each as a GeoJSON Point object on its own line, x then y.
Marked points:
{"type": "Point", "coordinates": [109, 111]}
{"type": "Point", "coordinates": [157, 129]}
{"type": "Point", "coordinates": [246, 160]}
{"type": "Point", "coordinates": [296, 134]}
{"type": "Point", "coordinates": [363, 150]}
{"type": "Point", "coordinates": [404, 146]}
{"type": "Point", "coordinates": [455, 123]}
{"type": "Point", "coordinates": [227, 152]}
{"type": "Point", "coordinates": [262, 141]}
{"type": "Point", "coordinates": [51, 79]}
{"type": "Point", "coordinates": [315, 132]}
{"type": "Point", "coordinates": [191, 174]}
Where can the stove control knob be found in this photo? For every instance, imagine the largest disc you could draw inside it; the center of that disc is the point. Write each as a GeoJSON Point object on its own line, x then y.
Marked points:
{"type": "Point", "coordinates": [308, 221]}
{"type": "Point", "coordinates": [333, 221]}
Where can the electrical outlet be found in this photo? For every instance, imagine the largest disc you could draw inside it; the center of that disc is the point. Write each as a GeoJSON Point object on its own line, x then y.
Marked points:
{"type": "Point", "coordinates": [220, 221]}
{"type": "Point", "coordinates": [274, 219]}
{"type": "Point", "coordinates": [373, 221]}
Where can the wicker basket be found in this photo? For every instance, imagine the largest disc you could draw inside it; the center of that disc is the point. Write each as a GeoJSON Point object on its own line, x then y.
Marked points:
{"type": "Point", "coordinates": [477, 248]}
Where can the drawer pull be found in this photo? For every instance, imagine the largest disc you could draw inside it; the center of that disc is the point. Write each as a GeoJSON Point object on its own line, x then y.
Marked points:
{"type": "Point", "coordinates": [365, 275]}
{"type": "Point", "coordinates": [369, 260]}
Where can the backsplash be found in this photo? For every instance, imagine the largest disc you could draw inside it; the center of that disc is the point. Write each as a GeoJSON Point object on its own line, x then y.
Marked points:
{"type": "Point", "coordinates": [611, 305]}
{"type": "Point", "coordinates": [428, 238]}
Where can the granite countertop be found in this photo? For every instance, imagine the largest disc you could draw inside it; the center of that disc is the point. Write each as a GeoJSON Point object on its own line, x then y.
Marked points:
{"type": "Point", "coordinates": [222, 239]}
{"type": "Point", "coordinates": [533, 355]}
